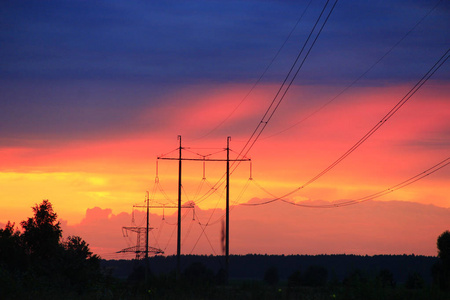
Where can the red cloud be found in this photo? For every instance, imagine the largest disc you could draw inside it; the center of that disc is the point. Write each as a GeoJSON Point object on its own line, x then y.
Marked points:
{"type": "Point", "coordinates": [373, 227]}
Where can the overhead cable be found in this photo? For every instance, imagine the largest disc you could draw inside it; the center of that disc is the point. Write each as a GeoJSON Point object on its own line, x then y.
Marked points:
{"type": "Point", "coordinates": [377, 126]}
{"type": "Point", "coordinates": [261, 76]}
{"type": "Point", "coordinates": [360, 76]}
{"type": "Point", "coordinates": [281, 93]}
{"type": "Point", "coordinates": [389, 190]}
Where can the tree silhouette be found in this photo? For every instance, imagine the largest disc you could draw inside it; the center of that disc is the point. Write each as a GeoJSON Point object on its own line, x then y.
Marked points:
{"type": "Point", "coordinates": [443, 245]}
{"type": "Point", "coordinates": [37, 262]}
{"type": "Point", "coordinates": [78, 248]}
{"type": "Point", "coordinates": [80, 265]}
{"type": "Point", "coordinates": [12, 255]}
{"type": "Point", "coordinates": [42, 233]}
{"type": "Point", "coordinates": [441, 270]}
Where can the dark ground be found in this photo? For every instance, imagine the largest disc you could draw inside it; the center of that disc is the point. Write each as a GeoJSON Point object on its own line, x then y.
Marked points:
{"type": "Point", "coordinates": [253, 266]}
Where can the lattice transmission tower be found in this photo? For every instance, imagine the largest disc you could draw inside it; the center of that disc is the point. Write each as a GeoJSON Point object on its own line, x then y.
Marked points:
{"type": "Point", "coordinates": [141, 249]}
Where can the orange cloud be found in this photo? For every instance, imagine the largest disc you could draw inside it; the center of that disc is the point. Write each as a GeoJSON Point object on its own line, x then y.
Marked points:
{"type": "Point", "coordinates": [372, 227]}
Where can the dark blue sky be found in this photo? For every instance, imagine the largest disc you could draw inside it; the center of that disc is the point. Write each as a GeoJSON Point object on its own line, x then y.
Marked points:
{"type": "Point", "coordinates": [186, 41]}
{"type": "Point", "coordinates": [68, 67]}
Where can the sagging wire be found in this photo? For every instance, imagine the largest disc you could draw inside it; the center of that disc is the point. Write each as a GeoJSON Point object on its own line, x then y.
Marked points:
{"type": "Point", "coordinates": [156, 240]}
{"type": "Point", "coordinates": [282, 91]}
{"type": "Point", "coordinates": [359, 77]}
{"type": "Point", "coordinates": [187, 233]}
{"type": "Point", "coordinates": [377, 126]}
{"type": "Point", "coordinates": [207, 155]}
{"type": "Point", "coordinates": [163, 155]}
{"type": "Point", "coordinates": [206, 236]}
{"type": "Point", "coordinates": [160, 229]}
{"type": "Point", "coordinates": [174, 229]}
{"type": "Point", "coordinates": [389, 190]}
{"type": "Point", "coordinates": [263, 73]}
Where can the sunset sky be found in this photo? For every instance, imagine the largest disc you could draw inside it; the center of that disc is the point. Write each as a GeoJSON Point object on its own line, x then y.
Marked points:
{"type": "Point", "coordinates": [92, 92]}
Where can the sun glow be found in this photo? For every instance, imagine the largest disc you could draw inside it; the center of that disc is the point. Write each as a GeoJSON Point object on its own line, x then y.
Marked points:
{"type": "Point", "coordinates": [112, 174]}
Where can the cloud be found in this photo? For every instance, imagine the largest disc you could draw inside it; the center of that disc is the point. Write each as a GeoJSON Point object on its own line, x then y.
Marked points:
{"type": "Point", "coordinates": [372, 227]}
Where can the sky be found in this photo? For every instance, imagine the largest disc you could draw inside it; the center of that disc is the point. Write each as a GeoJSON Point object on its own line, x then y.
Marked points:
{"type": "Point", "coordinates": [93, 92]}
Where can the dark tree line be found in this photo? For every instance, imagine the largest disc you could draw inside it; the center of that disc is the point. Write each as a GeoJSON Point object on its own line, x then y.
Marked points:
{"type": "Point", "coordinates": [37, 261]}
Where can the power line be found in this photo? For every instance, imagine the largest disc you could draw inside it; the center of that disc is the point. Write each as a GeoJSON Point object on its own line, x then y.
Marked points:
{"type": "Point", "coordinates": [264, 122]}
{"type": "Point", "coordinates": [389, 190]}
{"type": "Point", "coordinates": [360, 76]}
{"type": "Point", "coordinates": [261, 76]}
{"type": "Point", "coordinates": [275, 103]}
{"type": "Point", "coordinates": [405, 99]}
{"type": "Point", "coordinates": [377, 126]}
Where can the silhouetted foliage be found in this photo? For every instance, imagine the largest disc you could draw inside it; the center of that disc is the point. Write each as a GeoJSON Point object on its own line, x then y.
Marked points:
{"type": "Point", "coordinates": [36, 261]}
{"type": "Point", "coordinates": [362, 272]}
{"type": "Point", "coordinates": [13, 261]}
{"type": "Point", "coordinates": [73, 272]}
{"type": "Point", "coordinates": [271, 276]}
{"type": "Point", "coordinates": [81, 266]}
{"type": "Point", "coordinates": [443, 245]}
{"type": "Point", "coordinates": [42, 232]}
{"type": "Point", "coordinates": [12, 254]}
{"type": "Point", "coordinates": [441, 270]}
{"type": "Point", "coordinates": [315, 276]}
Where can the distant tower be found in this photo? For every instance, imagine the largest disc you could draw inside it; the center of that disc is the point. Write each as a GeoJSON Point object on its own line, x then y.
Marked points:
{"type": "Point", "coordinates": [141, 249]}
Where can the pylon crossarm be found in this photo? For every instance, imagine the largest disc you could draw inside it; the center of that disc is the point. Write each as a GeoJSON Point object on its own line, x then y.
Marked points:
{"type": "Point", "coordinates": [141, 249]}
{"type": "Point", "coordinates": [165, 206]}
{"type": "Point", "coordinates": [136, 229]}
{"type": "Point", "coordinates": [201, 159]}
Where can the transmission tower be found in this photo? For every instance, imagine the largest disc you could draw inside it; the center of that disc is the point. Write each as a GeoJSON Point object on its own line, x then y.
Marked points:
{"type": "Point", "coordinates": [227, 225]}
{"type": "Point", "coordinates": [140, 249]}
{"type": "Point", "coordinates": [143, 248]}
